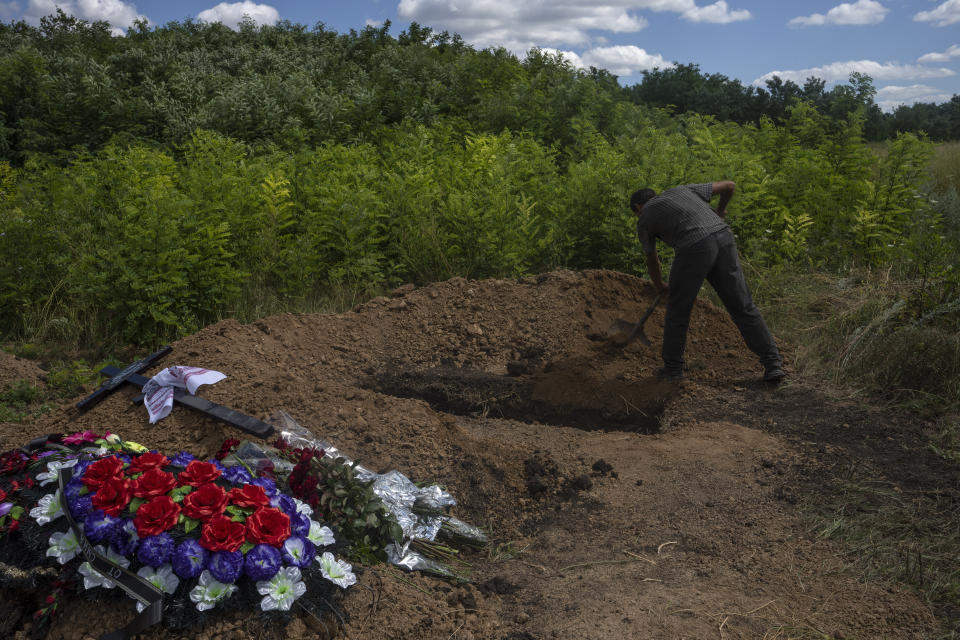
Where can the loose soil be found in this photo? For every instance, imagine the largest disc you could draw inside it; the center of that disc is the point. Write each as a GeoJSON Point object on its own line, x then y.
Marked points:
{"type": "Point", "coordinates": [617, 506]}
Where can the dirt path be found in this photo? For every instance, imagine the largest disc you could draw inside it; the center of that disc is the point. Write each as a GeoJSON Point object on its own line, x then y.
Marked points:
{"type": "Point", "coordinates": [618, 506]}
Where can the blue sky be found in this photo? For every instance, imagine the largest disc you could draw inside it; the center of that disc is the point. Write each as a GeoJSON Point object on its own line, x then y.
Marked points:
{"type": "Point", "coordinates": [911, 48]}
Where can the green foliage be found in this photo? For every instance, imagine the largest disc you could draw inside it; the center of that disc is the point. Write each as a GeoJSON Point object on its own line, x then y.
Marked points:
{"type": "Point", "coordinates": [354, 511]}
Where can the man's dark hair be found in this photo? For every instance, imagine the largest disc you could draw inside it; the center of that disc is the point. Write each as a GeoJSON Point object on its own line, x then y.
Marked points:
{"type": "Point", "coordinates": [641, 196]}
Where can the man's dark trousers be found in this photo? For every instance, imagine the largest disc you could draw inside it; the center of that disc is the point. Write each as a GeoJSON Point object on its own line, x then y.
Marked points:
{"type": "Point", "coordinates": [715, 260]}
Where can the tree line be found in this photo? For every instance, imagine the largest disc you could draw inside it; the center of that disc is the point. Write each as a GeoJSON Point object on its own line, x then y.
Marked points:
{"type": "Point", "coordinates": [69, 84]}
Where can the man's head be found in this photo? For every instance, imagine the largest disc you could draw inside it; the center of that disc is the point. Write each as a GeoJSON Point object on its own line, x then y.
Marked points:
{"type": "Point", "coordinates": [639, 198]}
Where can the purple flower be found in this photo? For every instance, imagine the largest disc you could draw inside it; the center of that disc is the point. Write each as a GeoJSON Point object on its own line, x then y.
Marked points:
{"type": "Point", "coordinates": [155, 550]}
{"type": "Point", "coordinates": [190, 559]}
{"type": "Point", "coordinates": [81, 506]}
{"type": "Point", "coordinates": [125, 539]}
{"type": "Point", "coordinates": [216, 463]}
{"type": "Point", "coordinates": [299, 524]}
{"type": "Point", "coordinates": [268, 485]}
{"type": "Point", "coordinates": [98, 526]}
{"type": "Point", "coordinates": [283, 502]}
{"type": "Point", "coordinates": [5, 508]}
{"type": "Point", "coordinates": [262, 562]}
{"type": "Point", "coordinates": [298, 551]}
{"type": "Point", "coordinates": [182, 459]}
{"type": "Point", "coordinates": [237, 475]}
{"type": "Point", "coordinates": [226, 565]}
{"type": "Point", "coordinates": [72, 488]}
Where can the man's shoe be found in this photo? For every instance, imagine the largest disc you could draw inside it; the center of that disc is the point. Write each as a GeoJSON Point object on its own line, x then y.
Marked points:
{"type": "Point", "coordinates": [668, 375]}
{"type": "Point", "coordinates": [774, 373]}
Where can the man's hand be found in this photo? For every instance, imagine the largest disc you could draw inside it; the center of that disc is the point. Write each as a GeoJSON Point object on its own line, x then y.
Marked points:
{"type": "Point", "coordinates": [721, 212]}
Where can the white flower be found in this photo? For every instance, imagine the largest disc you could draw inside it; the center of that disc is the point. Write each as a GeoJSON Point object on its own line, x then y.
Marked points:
{"type": "Point", "coordinates": [303, 507]}
{"type": "Point", "coordinates": [48, 510]}
{"type": "Point", "coordinates": [280, 591]}
{"type": "Point", "coordinates": [210, 591]}
{"type": "Point", "coordinates": [64, 546]}
{"type": "Point", "coordinates": [163, 578]}
{"type": "Point", "coordinates": [320, 535]}
{"type": "Point", "coordinates": [53, 470]}
{"type": "Point", "coordinates": [336, 571]}
{"type": "Point", "coordinates": [93, 578]}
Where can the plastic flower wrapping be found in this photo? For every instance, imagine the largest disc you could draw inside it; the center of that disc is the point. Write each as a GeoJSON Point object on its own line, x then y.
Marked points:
{"type": "Point", "coordinates": [187, 538]}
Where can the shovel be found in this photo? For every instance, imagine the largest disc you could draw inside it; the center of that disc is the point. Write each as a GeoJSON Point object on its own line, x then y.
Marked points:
{"type": "Point", "coordinates": [634, 331]}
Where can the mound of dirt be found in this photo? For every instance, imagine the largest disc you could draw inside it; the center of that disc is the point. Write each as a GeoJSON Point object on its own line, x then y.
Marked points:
{"type": "Point", "coordinates": [612, 510]}
{"type": "Point", "coordinates": [14, 368]}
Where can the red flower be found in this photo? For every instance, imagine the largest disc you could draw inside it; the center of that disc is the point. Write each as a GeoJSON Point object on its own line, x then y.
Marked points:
{"type": "Point", "coordinates": [102, 470]}
{"type": "Point", "coordinates": [268, 526]}
{"type": "Point", "coordinates": [198, 473]}
{"type": "Point", "coordinates": [3, 495]}
{"type": "Point", "coordinates": [220, 533]}
{"type": "Point", "coordinates": [156, 516]}
{"type": "Point", "coordinates": [155, 482]}
{"type": "Point", "coordinates": [207, 501]}
{"type": "Point", "coordinates": [250, 495]}
{"type": "Point", "coordinates": [113, 495]}
{"type": "Point", "coordinates": [147, 461]}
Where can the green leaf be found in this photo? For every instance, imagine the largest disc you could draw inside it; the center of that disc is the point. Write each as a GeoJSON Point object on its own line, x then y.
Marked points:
{"type": "Point", "coordinates": [189, 524]}
{"type": "Point", "coordinates": [135, 504]}
{"type": "Point", "coordinates": [16, 512]}
{"type": "Point", "coordinates": [246, 546]}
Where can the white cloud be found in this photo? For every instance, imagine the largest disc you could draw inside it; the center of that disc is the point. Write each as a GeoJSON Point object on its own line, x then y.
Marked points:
{"type": "Point", "coordinates": [946, 14]}
{"type": "Point", "coordinates": [373, 23]}
{"type": "Point", "coordinates": [952, 52]}
{"type": "Point", "coordinates": [840, 72]}
{"type": "Point", "coordinates": [519, 25]}
{"type": "Point", "coordinates": [8, 10]}
{"type": "Point", "coordinates": [119, 14]}
{"type": "Point", "coordinates": [231, 14]}
{"type": "Point", "coordinates": [892, 96]}
{"type": "Point", "coordinates": [860, 12]}
{"type": "Point", "coordinates": [717, 13]}
{"type": "Point", "coordinates": [623, 60]}
{"type": "Point", "coordinates": [618, 60]}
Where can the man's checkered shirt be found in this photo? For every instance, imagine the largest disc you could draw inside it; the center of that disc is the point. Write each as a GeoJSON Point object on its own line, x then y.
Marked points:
{"type": "Point", "coordinates": [680, 216]}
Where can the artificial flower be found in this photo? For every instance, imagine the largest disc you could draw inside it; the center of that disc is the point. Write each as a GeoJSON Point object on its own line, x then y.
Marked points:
{"type": "Point", "coordinates": [136, 447]}
{"type": "Point", "coordinates": [249, 495]}
{"type": "Point", "coordinates": [237, 475]}
{"type": "Point", "coordinates": [156, 515]}
{"type": "Point", "coordinates": [80, 506]}
{"type": "Point", "coordinates": [210, 591]}
{"type": "Point", "coordinates": [336, 571]}
{"type": "Point", "coordinates": [64, 546]}
{"type": "Point", "coordinates": [101, 471]}
{"type": "Point", "coordinates": [198, 473]}
{"type": "Point", "coordinates": [226, 566]}
{"type": "Point", "coordinates": [162, 578]}
{"type": "Point", "coordinates": [125, 539]}
{"type": "Point", "coordinates": [93, 578]}
{"type": "Point", "coordinates": [189, 559]}
{"type": "Point", "coordinates": [156, 550]}
{"type": "Point", "coordinates": [146, 461]}
{"type": "Point", "coordinates": [53, 471]}
{"type": "Point", "coordinates": [320, 535]}
{"type": "Point", "coordinates": [48, 508]}
{"type": "Point", "coordinates": [207, 501]}
{"type": "Point", "coordinates": [303, 507]}
{"type": "Point", "coordinates": [99, 526]}
{"type": "Point", "coordinates": [182, 459]}
{"type": "Point", "coordinates": [154, 482]}
{"type": "Point", "coordinates": [220, 533]}
{"type": "Point", "coordinates": [268, 526]}
{"type": "Point", "coordinates": [262, 562]}
{"type": "Point", "coordinates": [5, 508]}
{"type": "Point", "coordinates": [280, 591]}
{"type": "Point", "coordinates": [298, 551]}
{"type": "Point", "coordinates": [113, 495]}
{"type": "Point", "coordinates": [80, 438]}
{"type": "Point", "coordinates": [283, 502]}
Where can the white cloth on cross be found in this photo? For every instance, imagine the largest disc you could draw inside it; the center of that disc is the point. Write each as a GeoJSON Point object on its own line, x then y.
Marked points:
{"type": "Point", "coordinates": [158, 392]}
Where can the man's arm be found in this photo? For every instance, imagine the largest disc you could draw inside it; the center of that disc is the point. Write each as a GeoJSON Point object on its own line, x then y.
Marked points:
{"type": "Point", "coordinates": [725, 188]}
{"type": "Point", "coordinates": [656, 275]}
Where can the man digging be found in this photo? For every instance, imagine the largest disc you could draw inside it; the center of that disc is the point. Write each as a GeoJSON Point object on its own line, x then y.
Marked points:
{"type": "Point", "coordinates": [704, 248]}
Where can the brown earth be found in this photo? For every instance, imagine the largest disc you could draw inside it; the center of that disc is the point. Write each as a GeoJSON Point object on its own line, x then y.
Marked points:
{"type": "Point", "coordinates": [617, 506]}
